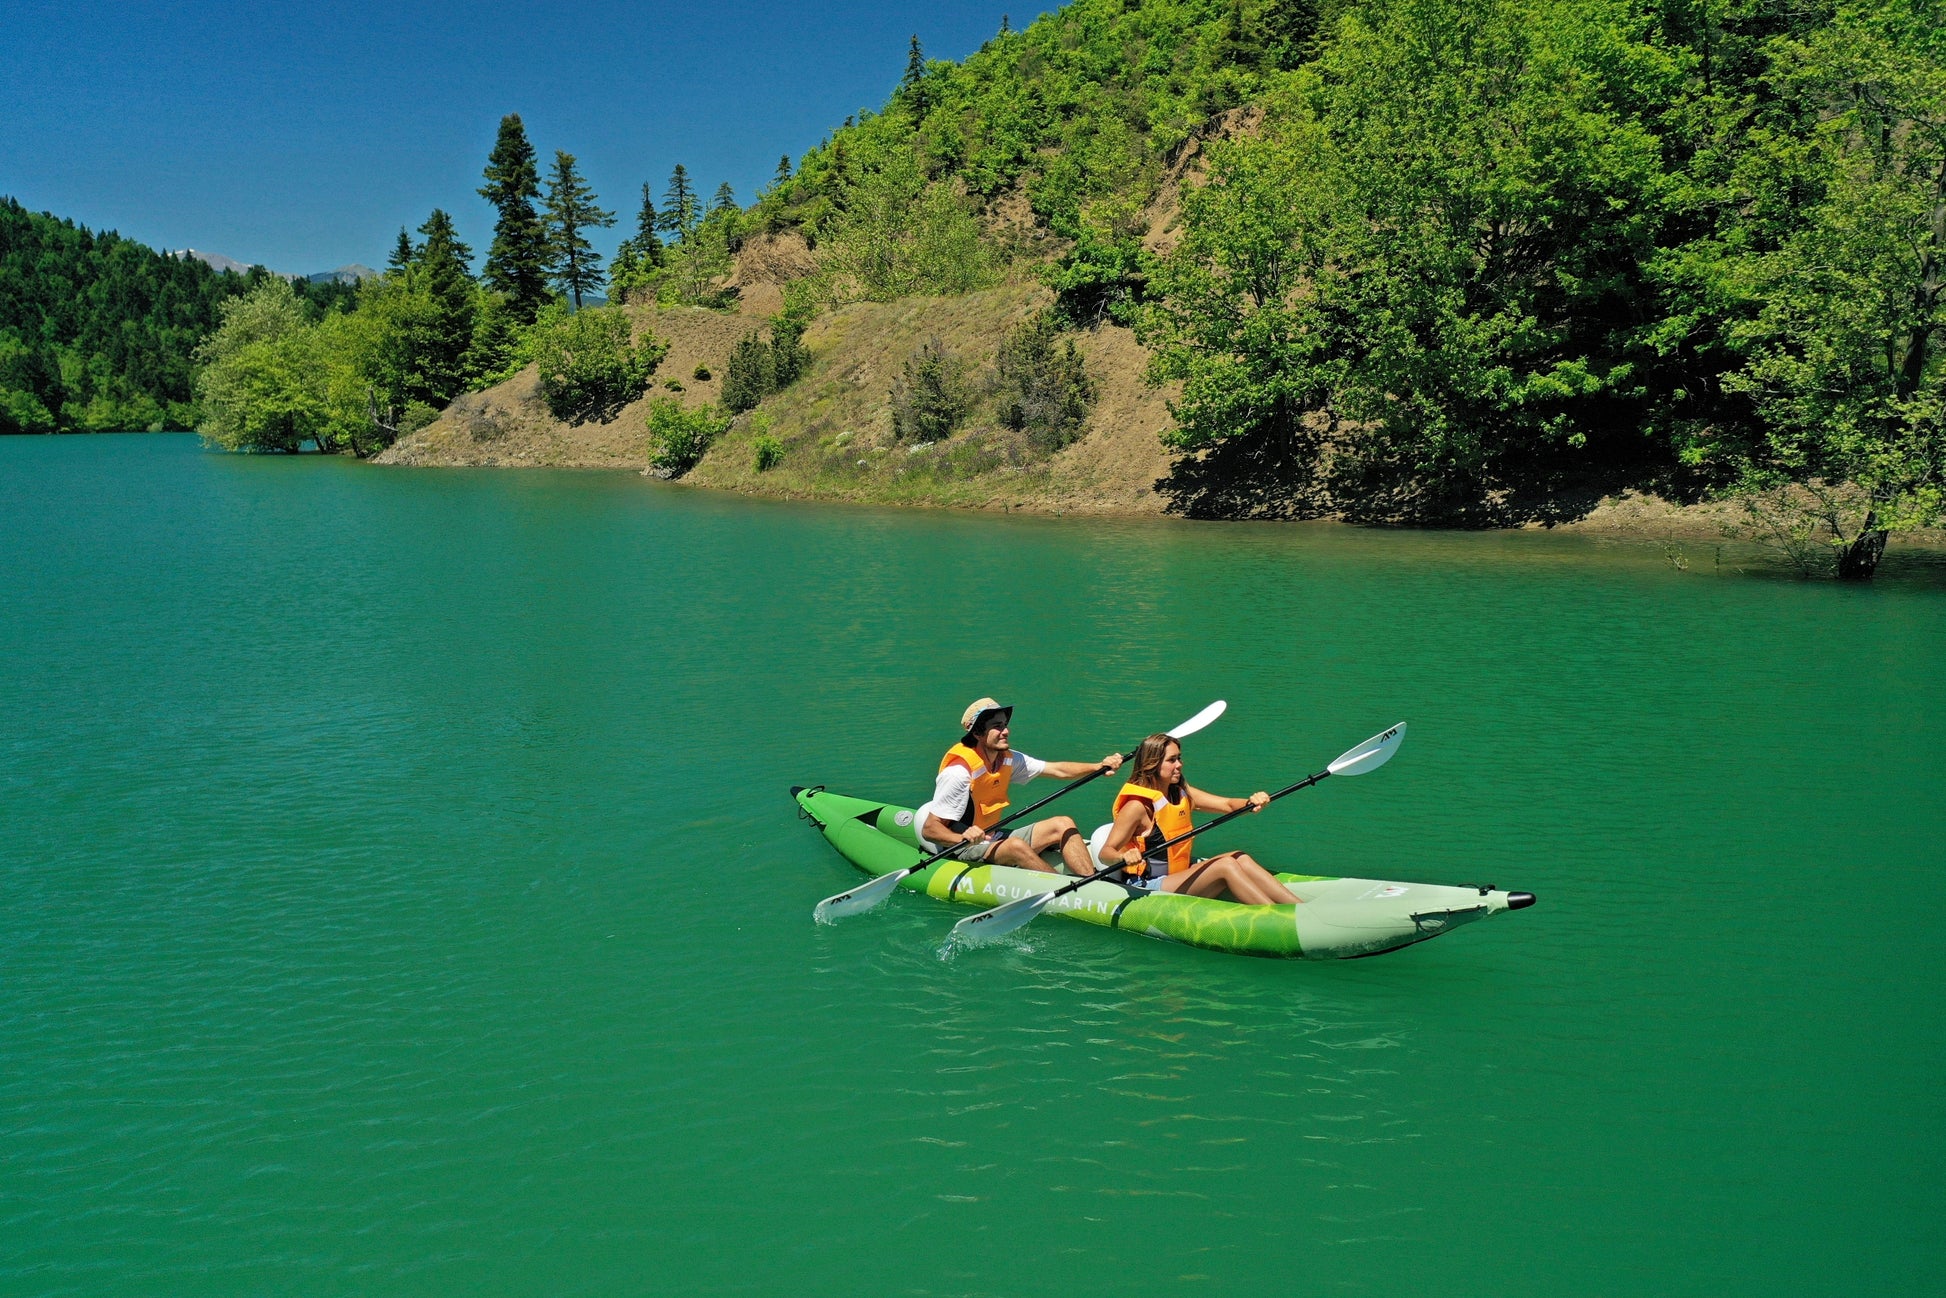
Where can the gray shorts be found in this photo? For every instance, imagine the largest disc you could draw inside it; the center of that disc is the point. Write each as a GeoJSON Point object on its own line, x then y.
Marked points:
{"type": "Point", "coordinates": [982, 851]}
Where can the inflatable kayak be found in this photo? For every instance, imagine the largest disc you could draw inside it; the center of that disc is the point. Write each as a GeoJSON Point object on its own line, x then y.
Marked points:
{"type": "Point", "coordinates": [1337, 919]}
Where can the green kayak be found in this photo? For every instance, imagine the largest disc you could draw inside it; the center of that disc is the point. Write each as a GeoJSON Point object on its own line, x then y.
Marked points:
{"type": "Point", "coordinates": [1338, 919]}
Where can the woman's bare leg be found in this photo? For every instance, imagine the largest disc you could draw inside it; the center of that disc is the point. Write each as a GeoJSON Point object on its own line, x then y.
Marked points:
{"type": "Point", "coordinates": [1236, 874]}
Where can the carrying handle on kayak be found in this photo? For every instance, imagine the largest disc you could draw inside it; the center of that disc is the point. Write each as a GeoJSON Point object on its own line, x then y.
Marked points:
{"type": "Point", "coordinates": [867, 895]}
{"type": "Point", "coordinates": [984, 927]}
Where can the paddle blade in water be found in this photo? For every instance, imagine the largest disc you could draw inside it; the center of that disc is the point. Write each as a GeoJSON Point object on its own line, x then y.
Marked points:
{"type": "Point", "coordinates": [1197, 722]}
{"type": "Point", "coordinates": [1370, 755]}
{"type": "Point", "coordinates": [858, 900]}
{"type": "Point", "coordinates": [991, 925]}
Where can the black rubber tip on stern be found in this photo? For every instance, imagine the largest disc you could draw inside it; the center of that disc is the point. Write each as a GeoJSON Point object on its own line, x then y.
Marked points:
{"type": "Point", "coordinates": [1520, 900]}
{"type": "Point", "coordinates": [796, 789]}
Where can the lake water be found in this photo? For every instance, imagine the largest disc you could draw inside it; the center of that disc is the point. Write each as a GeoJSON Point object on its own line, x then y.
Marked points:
{"type": "Point", "coordinates": [399, 895]}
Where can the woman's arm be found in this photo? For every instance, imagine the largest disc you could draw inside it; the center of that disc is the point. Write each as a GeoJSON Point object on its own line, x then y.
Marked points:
{"type": "Point", "coordinates": [1131, 822]}
{"type": "Point", "coordinates": [1212, 802]}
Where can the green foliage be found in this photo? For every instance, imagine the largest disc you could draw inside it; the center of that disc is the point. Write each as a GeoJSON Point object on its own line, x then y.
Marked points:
{"type": "Point", "coordinates": [896, 236]}
{"type": "Point", "coordinates": [769, 453]}
{"type": "Point", "coordinates": [931, 395]}
{"type": "Point", "coordinates": [271, 380]}
{"type": "Point", "coordinates": [678, 438]}
{"type": "Point", "coordinates": [680, 207]}
{"type": "Point", "coordinates": [98, 332]}
{"type": "Point", "coordinates": [517, 264]}
{"type": "Point", "coordinates": [573, 266]}
{"type": "Point", "coordinates": [1043, 387]}
{"type": "Point", "coordinates": [757, 368]}
{"type": "Point", "coordinates": [1845, 338]}
{"type": "Point", "coordinates": [590, 365]}
{"type": "Point", "coordinates": [749, 376]}
{"type": "Point", "coordinates": [1431, 240]}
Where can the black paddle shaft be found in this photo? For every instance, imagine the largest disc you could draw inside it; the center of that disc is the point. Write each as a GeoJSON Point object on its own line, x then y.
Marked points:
{"type": "Point", "coordinates": [1100, 875]}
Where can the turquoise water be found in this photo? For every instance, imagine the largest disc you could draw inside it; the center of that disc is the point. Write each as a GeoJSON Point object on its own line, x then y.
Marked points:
{"type": "Point", "coordinates": [398, 895]}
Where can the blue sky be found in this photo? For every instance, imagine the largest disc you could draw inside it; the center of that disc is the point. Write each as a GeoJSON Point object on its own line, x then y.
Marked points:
{"type": "Point", "coordinates": [302, 136]}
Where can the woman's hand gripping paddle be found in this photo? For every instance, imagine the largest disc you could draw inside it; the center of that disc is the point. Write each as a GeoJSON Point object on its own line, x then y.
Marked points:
{"type": "Point", "coordinates": [867, 895]}
{"type": "Point", "coordinates": [977, 930]}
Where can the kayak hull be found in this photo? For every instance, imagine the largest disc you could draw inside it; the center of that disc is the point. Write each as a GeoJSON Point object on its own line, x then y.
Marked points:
{"type": "Point", "coordinates": [1337, 918]}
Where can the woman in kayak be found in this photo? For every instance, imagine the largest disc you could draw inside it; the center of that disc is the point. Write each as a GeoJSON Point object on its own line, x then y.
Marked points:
{"type": "Point", "coordinates": [1154, 807]}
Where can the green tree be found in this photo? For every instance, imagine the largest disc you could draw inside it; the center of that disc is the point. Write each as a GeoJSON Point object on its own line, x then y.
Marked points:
{"type": "Point", "coordinates": [444, 276]}
{"type": "Point", "coordinates": [680, 208]}
{"type": "Point", "coordinates": [1428, 258]}
{"type": "Point", "coordinates": [517, 263]}
{"type": "Point", "coordinates": [725, 199]}
{"type": "Point", "coordinates": [403, 254]}
{"type": "Point", "coordinates": [749, 376]}
{"type": "Point", "coordinates": [1846, 345]}
{"type": "Point", "coordinates": [573, 265]}
{"type": "Point", "coordinates": [271, 380]}
{"type": "Point", "coordinates": [590, 363]}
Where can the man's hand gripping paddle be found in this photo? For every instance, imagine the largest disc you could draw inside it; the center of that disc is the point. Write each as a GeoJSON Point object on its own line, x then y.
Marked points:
{"type": "Point", "coordinates": [866, 896]}
{"type": "Point", "coordinates": [977, 930]}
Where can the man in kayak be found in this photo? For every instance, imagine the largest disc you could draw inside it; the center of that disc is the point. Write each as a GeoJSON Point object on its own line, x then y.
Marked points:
{"type": "Point", "coordinates": [969, 798]}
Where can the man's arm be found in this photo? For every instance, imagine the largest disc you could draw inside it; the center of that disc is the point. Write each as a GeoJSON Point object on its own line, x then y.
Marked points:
{"type": "Point", "coordinates": [1075, 770]}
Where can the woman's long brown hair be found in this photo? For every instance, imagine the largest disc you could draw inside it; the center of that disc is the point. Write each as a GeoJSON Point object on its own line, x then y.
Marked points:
{"type": "Point", "coordinates": [1148, 761]}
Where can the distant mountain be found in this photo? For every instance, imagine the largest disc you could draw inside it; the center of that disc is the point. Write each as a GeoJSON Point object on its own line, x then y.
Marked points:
{"type": "Point", "coordinates": [216, 261]}
{"type": "Point", "coordinates": [345, 274]}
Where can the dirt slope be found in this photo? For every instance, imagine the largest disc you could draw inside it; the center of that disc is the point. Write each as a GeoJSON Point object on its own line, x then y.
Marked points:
{"type": "Point", "coordinates": [835, 421]}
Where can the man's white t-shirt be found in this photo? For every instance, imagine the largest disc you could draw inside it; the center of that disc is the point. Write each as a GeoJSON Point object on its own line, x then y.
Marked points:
{"type": "Point", "coordinates": [952, 793]}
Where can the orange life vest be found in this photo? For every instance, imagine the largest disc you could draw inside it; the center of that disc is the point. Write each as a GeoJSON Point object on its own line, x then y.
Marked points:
{"type": "Point", "coordinates": [1168, 819]}
{"type": "Point", "coordinates": [989, 797]}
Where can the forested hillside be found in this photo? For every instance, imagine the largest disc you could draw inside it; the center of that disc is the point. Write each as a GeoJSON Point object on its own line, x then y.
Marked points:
{"type": "Point", "coordinates": [98, 332]}
{"type": "Point", "coordinates": [1444, 258]}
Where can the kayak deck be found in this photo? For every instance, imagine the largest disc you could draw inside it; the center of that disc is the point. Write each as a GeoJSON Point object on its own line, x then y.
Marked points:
{"type": "Point", "coordinates": [1336, 918]}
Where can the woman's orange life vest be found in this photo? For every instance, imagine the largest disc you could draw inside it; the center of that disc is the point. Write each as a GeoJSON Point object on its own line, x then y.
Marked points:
{"type": "Point", "coordinates": [1169, 819]}
{"type": "Point", "coordinates": [989, 797]}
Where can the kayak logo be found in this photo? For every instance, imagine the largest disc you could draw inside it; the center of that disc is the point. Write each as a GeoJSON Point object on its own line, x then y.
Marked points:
{"type": "Point", "coordinates": [903, 819]}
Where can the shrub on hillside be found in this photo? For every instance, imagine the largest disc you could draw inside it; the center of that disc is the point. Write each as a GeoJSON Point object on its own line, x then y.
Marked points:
{"type": "Point", "coordinates": [678, 437]}
{"type": "Point", "coordinates": [590, 365]}
{"type": "Point", "coordinates": [1044, 389]}
{"type": "Point", "coordinates": [770, 452]}
{"type": "Point", "coordinates": [931, 396]}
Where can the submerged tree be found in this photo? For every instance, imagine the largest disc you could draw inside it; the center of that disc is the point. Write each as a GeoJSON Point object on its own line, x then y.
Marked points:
{"type": "Point", "coordinates": [517, 262]}
{"type": "Point", "coordinates": [573, 264]}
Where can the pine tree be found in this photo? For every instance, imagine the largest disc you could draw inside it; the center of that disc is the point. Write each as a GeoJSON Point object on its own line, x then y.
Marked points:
{"type": "Point", "coordinates": [679, 205]}
{"type": "Point", "coordinates": [445, 275]}
{"type": "Point", "coordinates": [725, 199]}
{"type": "Point", "coordinates": [647, 246]}
{"type": "Point", "coordinates": [915, 66]}
{"type": "Point", "coordinates": [1004, 29]}
{"type": "Point", "coordinates": [517, 263]}
{"type": "Point", "coordinates": [402, 253]}
{"type": "Point", "coordinates": [783, 172]}
{"type": "Point", "coordinates": [573, 264]}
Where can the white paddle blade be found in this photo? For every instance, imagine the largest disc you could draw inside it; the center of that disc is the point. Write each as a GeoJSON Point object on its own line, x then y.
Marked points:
{"type": "Point", "coordinates": [1197, 722]}
{"type": "Point", "coordinates": [859, 900]}
{"type": "Point", "coordinates": [1370, 755]}
{"type": "Point", "coordinates": [992, 925]}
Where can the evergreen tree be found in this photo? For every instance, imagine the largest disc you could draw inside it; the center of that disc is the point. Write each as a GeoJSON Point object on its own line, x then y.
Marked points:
{"type": "Point", "coordinates": [679, 205]}
{"type": "Point", "coordinates": [445, 276]}
{"type": "Point", "coordinates": [915, 66]}
{"type": "Point", "coordinates": [1004, 29]}
{"type": "Point", "coordinates": [647, 246]}
{"type": "Point", "coordinates": [573, 264]}
{"type": "Point", "coordinates": [725, 199]}
{"type": "Point", "coordinates": [517, 263]}
{"type": "Point", "coordinates": [402, 254]}
{"type": "Point", "coordinates": [783, 172]}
